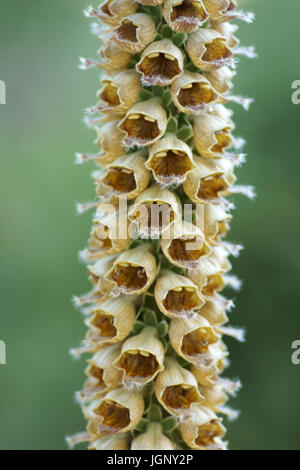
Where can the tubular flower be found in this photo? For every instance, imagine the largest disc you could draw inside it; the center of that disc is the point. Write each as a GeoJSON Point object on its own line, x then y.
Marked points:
{"type": "Point", "coordinates": [156, 256]}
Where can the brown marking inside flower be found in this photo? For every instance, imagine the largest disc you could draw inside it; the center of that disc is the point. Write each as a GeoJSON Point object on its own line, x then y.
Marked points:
{"type": "Point", "coordinates": [97, 373]}
{"type": "Point", "coordinates": [223, 227]}
{"type": "Point", "coordinates": [105, 324]}
{"type": "Point", "coordinates": [196, 343]}
{"type": "Point", "coordinates": [140, 131]}
{"type": "Point", "coordinates": [214, 283]}
{"type": "Point", "coordinates": [216, 51]}
{"type": "Point", "coordinates": [160, 69]}
{"type": "Point", "coordinates": [196, 97]}
{"type": "Point", "coordinates": [130, 277]}
{"type": "Point", "coordinates": [180, 251]}
{"type": "Point", "coordinates": [127, 31]}
{"type": "Point", "coordinates": [231, 6]}
{"type": "Point", "coordinates": [121, 180]}
{"type": "Point", "coordinates": [139, 365]}
{"type": "Point", "coordinates": [208, 432]}
{"type": "Point", "coordinates": [188, 13]}
{"type": "Point", "coordinates": [110, 94]}
{"type": "Point", "coordinates": [105, 8]}
{"type": "Point", "coordinates": [101, 234]}
{"type": "Point", "coordinates": [181, 301]}
{"type": "Point", "coordinates": [211, 186]}
{"type": "Point", "coordinates": [180, 397]}
{"type": "Point", "coordinates": [223, 140]}
{"type": "Point", "coordinates": [173, 165]}
{"type": "Point", "coordinates": [154, 216]}
{"type": "Point", "coordinates": [115, 417]}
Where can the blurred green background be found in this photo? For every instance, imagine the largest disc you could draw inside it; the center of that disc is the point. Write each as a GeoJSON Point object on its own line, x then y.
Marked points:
{"type": "Point", "coordinates": [40, 130]}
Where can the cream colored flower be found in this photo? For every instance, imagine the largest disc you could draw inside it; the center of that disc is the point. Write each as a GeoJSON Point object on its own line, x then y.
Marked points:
{"type": "Point", "coordinates": [176, 389]}
{"type": "Point", "coordinates": [203, 430]}
{"type": "Point", "coordinates": [195, 340]}
{"type": "Point", "coordinates": [192, 92]}
{"type": "Point", "coordinates": [118, 411]}
{"type": "Point", "coordinates": [119, 93]}
{"type": "Point", "coordinates": [132, 272]}
{"type": "Point", "coordinates": [170, 160]}
{"type": "Point", "coordinates": [177, 296]}
{"type": "Point", "coordinates": [160, 63]}
{"type": "Point", "coordinates": [225, 10]}
{"type": "Point", "coordinates": [210, 181]}
{"type": "Point", "coordinates": [135, 32]}
{"type": "Point", "coordinates": [184, 16]}
{"type": "Point", "coordinates": [154, 211]}
{"type": "Point", "coordinates": [141, 358]}
{"type": "Point", "coordinates": [186, 245]}
{"type": "Point", "coordinates": [144, 123]}
{"type": "Point", "coordinates": [112, 11]}
{"type": "Point", "coordinates": [127, 176]}
{"type": "Point", "coordinates": [212, 135]}
{"type": "Point", "coordinates": [115, 59]}
{"type": "Point", "coordinates": [208, 49]}
{"type": "Point", "coordinates": [102, 376]}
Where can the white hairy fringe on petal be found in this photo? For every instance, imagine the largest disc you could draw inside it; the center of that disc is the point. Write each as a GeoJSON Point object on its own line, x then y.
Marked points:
{"type": "Point", "coordinates": [233, 281]}
{"type": "Point", "coordinates": [236, 333]}
{"type": "Point", "coordinates": [248, 52]}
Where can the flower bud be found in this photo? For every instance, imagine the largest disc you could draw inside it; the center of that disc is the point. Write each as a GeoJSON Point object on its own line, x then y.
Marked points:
{"type": "Point", "coordinates": [176, 389]}
{"type": "Point", "coordinates": [144, 123]}
{"type": "Point", "coordinates": [115, 442]}
{"type": "Point", "coordinates": [177, 296]}
{"type": "Point", "coordinates": [186, 246]}
{"type": "Point", "coordinates": [208, 275]}
{"type": "Point", "coordinates": [112, 11]}
{"type": "Point", "coordinates": [112, 321]}
{"type": "Point", "coordinates": [154, 211]}
{"type": "Point", "coordinates": [209, 181]}
{"type": "Point", "coordinates": [135, 32]}
{"type": "Point", "coordinates": [132, 272]}
{"type": "Point", "coordinates": [194, 340]}
{"type": "Point", "coordinates": [203, 430]}
{"type": "Point", "coordinates": [141, 358]}
{"type": "Point", "coordinates": [208, 49]}
{"type": "Point", "coordinates": [120, 92]}
{"type": "Point", "coordinates": [170, 160]}
{"type": "Point", "coordinates": [118, 411]}
{"type": "Point", "coordinates": [152, 439]}
{"type": "Point", "coordinates": [192, 92]}
{"type": "Point", "coordinates": [160, 63]}
{"type": "Point", "coordinates": [126, 176]}
{"type": "Point", "coordinates": [184, 16]}
{"type": "Point", "coordinates": [115, 58]}
{"type": "Point", "coordinates": [212, 135]}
